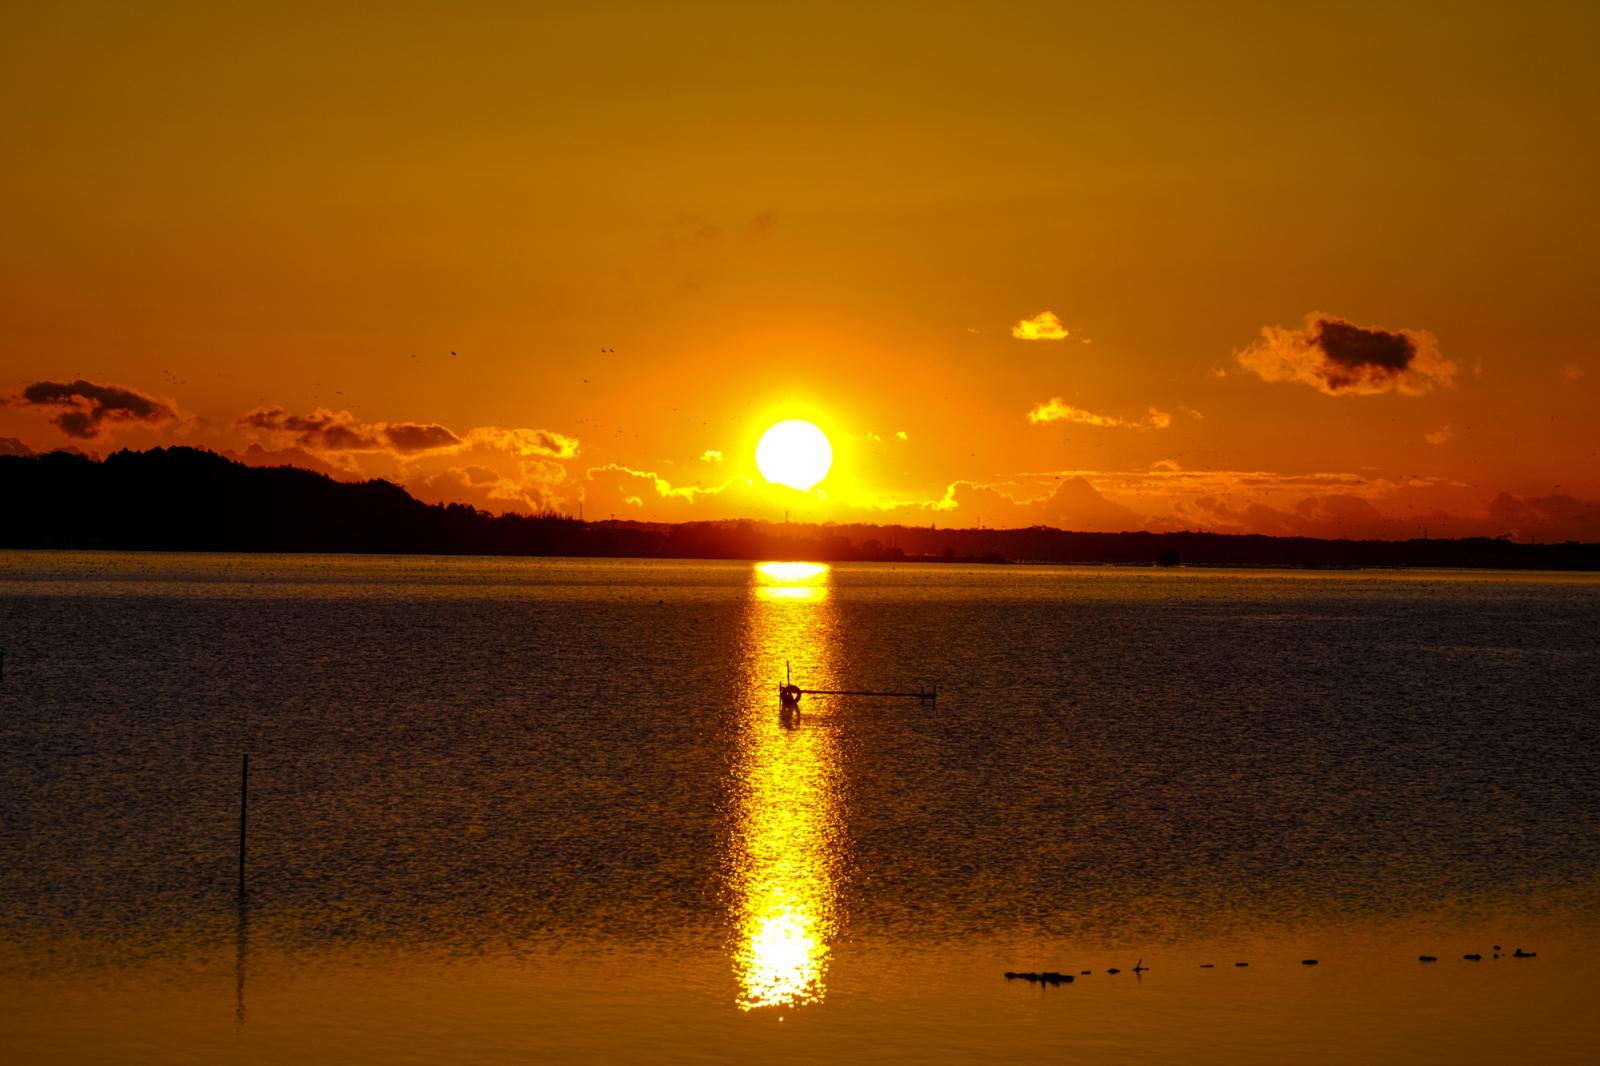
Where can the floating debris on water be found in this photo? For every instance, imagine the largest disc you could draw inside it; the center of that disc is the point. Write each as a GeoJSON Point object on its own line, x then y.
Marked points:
{"type": "Point", "coordinates": [1308, 962]}
{"type": "Point", "coordinates": [1049, 977]}
{"type": "Point", "coordinates": [1427, 958]}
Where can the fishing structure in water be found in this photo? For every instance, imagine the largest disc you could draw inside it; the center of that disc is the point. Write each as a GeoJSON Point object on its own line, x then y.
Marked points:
{"type": "Point", "coordinates": [789, 693]}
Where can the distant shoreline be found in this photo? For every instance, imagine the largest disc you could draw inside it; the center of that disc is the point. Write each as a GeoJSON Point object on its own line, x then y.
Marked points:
{"type": "Point", "coordinates": [190, 500]}
{"type": "Point", "coordinates": [1309, 568]}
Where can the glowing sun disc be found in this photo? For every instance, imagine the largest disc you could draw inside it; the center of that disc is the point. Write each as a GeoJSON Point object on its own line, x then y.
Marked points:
{"type": "Point", "coordinates": [794, 453]}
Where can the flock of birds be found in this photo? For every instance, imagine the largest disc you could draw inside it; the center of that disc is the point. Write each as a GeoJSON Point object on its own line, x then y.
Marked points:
{"type": "Point", "coordinates": [1055, 977]}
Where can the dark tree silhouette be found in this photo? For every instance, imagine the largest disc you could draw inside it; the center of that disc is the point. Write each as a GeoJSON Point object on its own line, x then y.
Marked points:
{"type": "Point", "coordinates": [186, 499]}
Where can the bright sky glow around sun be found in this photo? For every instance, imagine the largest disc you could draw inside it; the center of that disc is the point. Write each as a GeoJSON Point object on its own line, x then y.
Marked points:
{"type": "Point", "coordinates": [1275, 271]}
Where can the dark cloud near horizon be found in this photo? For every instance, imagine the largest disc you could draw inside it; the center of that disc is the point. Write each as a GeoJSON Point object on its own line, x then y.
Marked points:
{"type": "Point", "coordinates": [417, 437]}
{"type": "Point", "coordinates": [339, 431]}
{"type": "Point", "coordinates": [13, 446]}
{"type": "Point", "coordinates": [1340, 358]}
{"type": "Point", "coordinates": [88, 406]}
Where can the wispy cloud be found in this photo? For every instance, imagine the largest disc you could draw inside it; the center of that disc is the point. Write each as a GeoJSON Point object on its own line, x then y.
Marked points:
{"type": "Point", "coordinates": [525, 442]}
{"type": "Point", "coordinates": [1340, 358]}
{"type": "Point", "coordinates": [615, 483]}
{"type": "Point", "coordinates": [325, 430]}
{"type": "Point", "coordinates": [1058, 410]}
{"type": "Point", "coordinates": [1044, 326]}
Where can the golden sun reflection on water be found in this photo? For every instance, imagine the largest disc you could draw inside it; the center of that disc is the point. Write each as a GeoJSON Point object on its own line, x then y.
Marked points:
{"type": "Point", "coordinates": [787, 839]}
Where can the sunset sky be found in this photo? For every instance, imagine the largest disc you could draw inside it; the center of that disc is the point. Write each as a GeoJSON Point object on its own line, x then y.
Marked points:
{"type": "Point", "coordinates": [1224, 267]}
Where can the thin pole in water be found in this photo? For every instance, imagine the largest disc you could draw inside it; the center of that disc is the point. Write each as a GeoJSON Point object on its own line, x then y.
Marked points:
{"type": "Point", "coordinates": [244, 806]}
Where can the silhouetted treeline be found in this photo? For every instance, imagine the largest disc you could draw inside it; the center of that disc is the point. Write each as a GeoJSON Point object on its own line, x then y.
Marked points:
{"type": "Point", "coordinates": [184, 499]}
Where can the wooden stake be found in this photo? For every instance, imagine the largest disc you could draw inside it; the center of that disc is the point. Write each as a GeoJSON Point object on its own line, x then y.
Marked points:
{"type": "Point", "coordinates": [244, 806]}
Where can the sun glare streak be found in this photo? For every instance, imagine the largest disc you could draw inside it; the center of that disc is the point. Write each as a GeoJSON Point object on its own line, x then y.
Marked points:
{"type": "Point", "coordinates": [786, 845]}
{"type": "Point", "coordinates": [792, 573]}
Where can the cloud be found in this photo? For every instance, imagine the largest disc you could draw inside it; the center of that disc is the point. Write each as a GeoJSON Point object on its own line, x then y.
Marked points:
{"type": "Point", "coordinates": [1044, 326]}
{"type": "Point", "coordinates": [1546, 518]}
{"type": "Point", "coordinates": [88, 406]}
{"type": "Point", "coordinates": [1401, 515]}
{"type": "Point", "coordinates": [1072, 503]}
{"type": "Point", "coordinates": [712, 456]}
{"type": "Point", "coordinates": [325, 430]}
{"type": "Point", "coordinates": [340, 431]}
{"type": "Point", "coordinates": [1439, 435]}
{"type": "Point", "coordinates": [409, 437]}
{"type": "Point", "coordinates": [900, 434]}
{"type": "Point", "coordinates": [533, 492]}
{"type": "Point", "coordinates": [614, 483]}
{"type": "Point", "coordinates": [13, 446]}
{"type": "Point", "coordinates": [525, 442]}
{"type": "Point", "coordinates": [1570, 371]}
{"type": "Point", "coordinates": [1340, 358]}
{"type": "Point", "coordinates": [1058, 410]}
{"type": "Point", "coordinates": [256, 455]}
{"type": "Point", "coordinates": [762, 223]}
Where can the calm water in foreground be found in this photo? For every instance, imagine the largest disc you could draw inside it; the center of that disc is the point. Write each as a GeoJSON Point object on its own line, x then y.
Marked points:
{"type": "Point", "coordinates": [535, 810]}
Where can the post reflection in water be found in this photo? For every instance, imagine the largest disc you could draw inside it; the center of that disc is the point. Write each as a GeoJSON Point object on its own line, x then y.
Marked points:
{"type": "Point", "coordinates": [787, 836]}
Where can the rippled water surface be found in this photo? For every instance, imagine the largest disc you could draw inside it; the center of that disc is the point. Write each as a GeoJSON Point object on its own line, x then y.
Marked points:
{"type": "Point", "coordinates": [503, 810]}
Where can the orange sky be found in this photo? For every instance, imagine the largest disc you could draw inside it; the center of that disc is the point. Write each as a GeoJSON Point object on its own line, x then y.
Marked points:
{"type": "Point", "coordinates": [267, 231]}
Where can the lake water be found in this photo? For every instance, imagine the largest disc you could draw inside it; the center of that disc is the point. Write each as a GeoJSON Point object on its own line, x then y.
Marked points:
{"type": "Point", "coordinates": [505, 810]}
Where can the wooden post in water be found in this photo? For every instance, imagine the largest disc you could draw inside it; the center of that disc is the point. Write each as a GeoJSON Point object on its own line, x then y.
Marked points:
{"type": "Point", "coordinates": [244, 807]}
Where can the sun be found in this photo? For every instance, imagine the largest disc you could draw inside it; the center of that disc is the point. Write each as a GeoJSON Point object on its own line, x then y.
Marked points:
{"type": "Point", "coordinates": [794, 453]}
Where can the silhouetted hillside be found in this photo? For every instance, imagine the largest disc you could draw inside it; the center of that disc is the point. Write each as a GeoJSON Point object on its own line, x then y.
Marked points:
{"type": "Point", "coordinates": [183, 499]}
